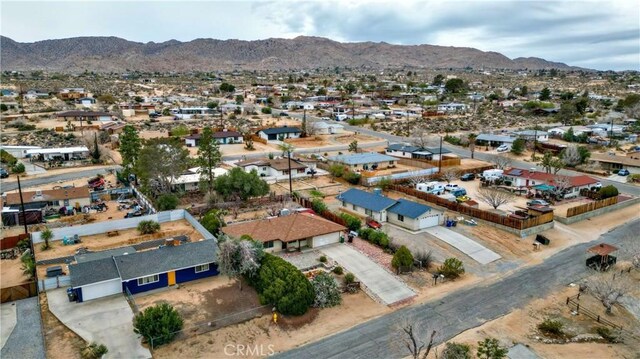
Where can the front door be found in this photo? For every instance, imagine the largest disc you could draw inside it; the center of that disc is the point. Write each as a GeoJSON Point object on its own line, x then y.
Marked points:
{"type": "Point", "coordinates": [171, 278]}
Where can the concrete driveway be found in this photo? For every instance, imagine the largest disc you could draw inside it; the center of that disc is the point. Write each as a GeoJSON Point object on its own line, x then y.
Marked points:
{"type": "Point", "coordinates": [468, 246]}
{"type": "Point", "coordinates": [108, 321]}
{"type": "Point", "coordinates": [382, 283]}
{"type": "Point", "coordinates": [9, 319]}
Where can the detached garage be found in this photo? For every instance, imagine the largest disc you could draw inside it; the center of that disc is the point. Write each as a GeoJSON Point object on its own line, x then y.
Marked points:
{"type": "Point", "coordinates": [413, 216]}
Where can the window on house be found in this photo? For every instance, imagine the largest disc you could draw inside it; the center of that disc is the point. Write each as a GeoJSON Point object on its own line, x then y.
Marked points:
{"type": "Point", "coordinates": [400, 218]}
{"type": "Point", "coordinates": [268, 244]}
{"type": "Point", "coordinates": [367, 212]}
{"type": "Point", "coordinates": [148, 280]}
{"type": "Point", "coordinates": [202, 268]}
{"type": "Point", "coordinates": [344, 204]}
{"type": "Point", "coordinates": [353, 206]}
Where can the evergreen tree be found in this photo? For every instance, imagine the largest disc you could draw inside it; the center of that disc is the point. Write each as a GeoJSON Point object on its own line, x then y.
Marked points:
{"type": "Point", "coordinates": [209, 158]}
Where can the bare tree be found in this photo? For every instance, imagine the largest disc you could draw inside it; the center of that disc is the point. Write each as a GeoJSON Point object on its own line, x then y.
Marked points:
{"type": "Point", "coordinates": [450, 174]}
{"type": "Point", "coordinates": [414, 344]}
{"type": "Point", "coordinates": [501, 162]}
{"type": "Point", "coordinates": [609, 287]}
{"type": "Point", "coordinates": [633, 111]}
{"type": "Point", "coordinates": [571, 156]}
{"type": "Point", "coordinates": [562, 185]}
{"type": "Point", "coordinates": [420, 137]}
{"type": "Point", "coordinates": [495, 197]}
{"type": "Point", "coordinates": [630, 245]}
{"type": "Point", "coordinates": [414, 180]}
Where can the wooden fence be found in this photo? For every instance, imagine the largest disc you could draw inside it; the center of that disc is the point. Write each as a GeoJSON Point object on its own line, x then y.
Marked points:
{"type": "Point", "coordinates": [257, 138]}
{"type": "Point", "coordinates": [415, 163]}
{"type": "Point", "coordinates": [12, 241]}
{"type": "Point", "coordinates": [18, 292]}
{"type": "Point", "coordinates": [305, 202]}
{"type": "Point", "coordinates": [516, 223]}
{"type": "Point", "coordinates": [574, 303]}
{"type": "Point", "coordinates": [588, 207]}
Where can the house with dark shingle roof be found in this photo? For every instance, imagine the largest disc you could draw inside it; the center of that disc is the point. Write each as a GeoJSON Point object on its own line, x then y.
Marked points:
{"type": "Point", "coordinates": [401, 212]}
{"type": "Point", "coordinates": [278, 133]}
{"type": "Point", "coordinates": [100, 274]}
{"type": "Point", "coordinates": [412, 215]}
{"type": "Point", "coordinates": [293, 232]}
{"type": "Point", "coordinates": [222, 137]}
{"type": "Point", "coordinates": [408, 151]}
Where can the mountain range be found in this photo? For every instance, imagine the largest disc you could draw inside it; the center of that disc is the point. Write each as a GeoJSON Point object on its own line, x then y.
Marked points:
{"type": "Point", "coordinates": [107, 54]}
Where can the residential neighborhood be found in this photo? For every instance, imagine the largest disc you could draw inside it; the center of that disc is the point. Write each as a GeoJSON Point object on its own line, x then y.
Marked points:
{"type": "Point", "coordinates": [313, 198]}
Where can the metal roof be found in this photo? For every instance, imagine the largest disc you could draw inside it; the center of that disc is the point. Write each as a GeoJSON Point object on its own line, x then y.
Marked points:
{"type": "Point", "coordinates": [362, 158]}
{"type": "Point", "coordinates": [366, 200]}
{"type": "Point", "coordinates": [495, 138]}
{"type": "Point", "coordinates": [409, 209]}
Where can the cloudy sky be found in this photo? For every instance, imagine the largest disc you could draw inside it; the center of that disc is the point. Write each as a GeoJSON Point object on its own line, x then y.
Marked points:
{"type": "Point", "coordinates": [594, 34]}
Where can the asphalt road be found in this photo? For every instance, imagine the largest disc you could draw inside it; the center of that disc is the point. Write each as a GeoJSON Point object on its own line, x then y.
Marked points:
{"type": "Point", "coordinates": [317, 150]}
{"type": "Point", "coordinates": [38, 181]}
{"type": "Point", "coordinates": [459, 311]}
{"type": "Point", "coordinates": [464, 153]}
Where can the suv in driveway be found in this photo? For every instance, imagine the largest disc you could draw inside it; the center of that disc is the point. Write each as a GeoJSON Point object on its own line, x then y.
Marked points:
{"type": "Point", "coordinates": [3, 173]}
{"type": "Point", "coordinates": [623, 172]}
{"type": "Point", "coordinates": [451, 187]}
{"type": "Point", "coordinates": [468, 177]}
{"type": "Point", "coordinates": [539, 202]}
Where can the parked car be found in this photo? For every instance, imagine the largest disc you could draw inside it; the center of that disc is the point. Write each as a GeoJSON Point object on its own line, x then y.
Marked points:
{"type": "Point", "coordinates": [311, 171]}
{"type": "Point", "coordinates": [623, 172]}
{"type": "Point", "coordinates": [451, 187]}
{"type": "Point", "coordinates": [503, 148]}
{"type": "Point", "coordinates": [459, 192]}
{"type": "Point", "coordinates": [535, 202]}
{"type": "Point", "coordinates": [325, 118]}
{"type": "Point", "coordinates": [468, 177]}
{"type": "Point", "coordinates": [462, 198]}
{"type": "Point", "coordinates": [372, 223]}
{"type": "Point", "coordinates": [3, 173]}
{"type": "Point", "coordinates": [284, 114]}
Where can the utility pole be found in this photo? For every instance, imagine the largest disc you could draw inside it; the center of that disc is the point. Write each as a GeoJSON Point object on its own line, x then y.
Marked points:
{"type": "Point", "coordinates": [290, 183]}
{"type": "Point", "coordinates": [440, 158]}
{"type": "Point", "coordinates": [24, 214]}
{"type": "Point", "coordinates": [304, 121]}
{"type": "Point", "coordinates": [611, 134]}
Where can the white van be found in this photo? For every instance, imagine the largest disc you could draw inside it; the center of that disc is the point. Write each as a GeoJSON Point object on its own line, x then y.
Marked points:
{"type": "Point", "coordinates": [341, 117]}
{"type": "Point", "coordinates": [431, 187]}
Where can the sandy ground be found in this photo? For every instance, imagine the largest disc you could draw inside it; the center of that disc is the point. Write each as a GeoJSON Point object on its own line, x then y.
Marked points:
{"type": "Point", "coordinates": [61, 342]}
{"type": "Point", "coordinates": [110, 179]}
{"type": "Point", "coordinates": [125, 237]}
{"type": "Point", "coordinates": [520, 326]}
{"type": "Point", "coordinates": [355, 309]}
{"type": "Point", "coordinates": [53, 172]}
{"type": "Point", "coordinates": [11, 273]}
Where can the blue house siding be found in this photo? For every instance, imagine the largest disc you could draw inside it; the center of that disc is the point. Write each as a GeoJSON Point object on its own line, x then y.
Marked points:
{"type": "Point", "coordinates": [78, 294]}
{"type": "Point", "coordinates": [134, 288]}
{"type": "Point", "coordinates": [188, 274]}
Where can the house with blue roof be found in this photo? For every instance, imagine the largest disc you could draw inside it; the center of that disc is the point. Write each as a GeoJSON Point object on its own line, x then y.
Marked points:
{"type": "Point", "coordinates": [279, 133]}
{"type": "Point", "coordinates": [402, 212]}
{"type": "Point", "coordinates": [366, 161]}
{"type": "Point", "coordinates": [412, 215]}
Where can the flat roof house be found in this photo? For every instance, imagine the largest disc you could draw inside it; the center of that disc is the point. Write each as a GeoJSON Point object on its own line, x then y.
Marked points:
{"type": "Point", "coordinates": [222, 137]}
{"type": "Point", "coordinates": [279, 133]}
{"type": "Point", "coordinates": [189, 181]}
{"type": "Point", "coordinates": [85, 116]}
{"type": "Point", "coordinates": [366, 161]}
{"type": "Point", "coordinates": [533, 135]}
{"type": "Point", "coordinates": [292, 232]}
{"type": "Point", "coordinates": [487, 139]}
{"type": "Point", "coordinates": [630, 162]}
{"type": "Point", "coordinates": [58, 154]}
{"type": "Point", "coordinates": [138, 272]}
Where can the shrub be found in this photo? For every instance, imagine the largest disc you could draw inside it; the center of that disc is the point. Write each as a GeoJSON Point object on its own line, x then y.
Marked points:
{"type": "Point", "coordinates": [282, 285]}
{"type": "Point", "coordinates": [615, 172]}
{"type": "Point", "coordinates": [454, 350]}
{"type": "Point", "coordinates": [349, 278]}
{"type": "Point", "coordinates": [424, 257]}
{"type": "Point", "coordinates": [452, 268]}
{"type": "Point", "coordinates": [28, 266]}
{"type": "Point", "coordinates": [327, 293]}
{"type": "Point", "coordinates": [318, 206]}
{"type": "Point", "coordinates": [213, 221]}
{"type": "Point", "coordinates": [518, 146]}
{"type": "Point", "coordinates": [158, 324]}
{"type": "Point", "coordinates": [18, 168]}
{"type": "Point", "coordinates": [352, 177]}
{"type": "Point", "coordinates": [551, 327]}
{"type": "Point", "coordinates": [338, 270]}
{"type": "Point", "coordinates": [336, 170]}
{"type": "Point", "coordinates": [266, 110]}
{"type": "Point", "coordinates": [607, 334]}
{"type": "Point", "coordinates": [93, 351]}
{"type": "Point", "coordinates": [402, 258]}
{"type": "Point", "coordinates": [316, 193]}
{"type": "Point", "coordinates": [353, 223]}
{"type": "Point", "coordinates": [323, 259]}
{"type": "Point", "coordinates": [167, 202]}
{"type": "Point", "coordinates": [46, 235]}
{"type": "Point", "coordinates": [608, 191]}
{"type": "Point", "coordinates": [148, 227]}
{"type": "Point", "coordinates": [384, 241]}
{"type": "Point", "coordinates": [379, 238]}
{"type": "Point", "coordinates": [24, 244]}
{"type": "Point", "coordinates": [6, 157]}
{"type": "Point", "coordinates": [491, 349]}
{"type": "Point", "coordinates": [365, 233]}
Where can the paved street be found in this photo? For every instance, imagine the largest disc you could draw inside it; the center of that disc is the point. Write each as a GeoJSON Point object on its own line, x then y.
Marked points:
{"type": "Point", "coordinates": [459, 311]}
{"type": "Point", "coordinates": [468, 246]}
{"type": "Point", "coordinates": [384, 285]}
{"type": "Point", "coordinates": [38, 181]}
{"type": "Point", "coordinates": [317, 150]}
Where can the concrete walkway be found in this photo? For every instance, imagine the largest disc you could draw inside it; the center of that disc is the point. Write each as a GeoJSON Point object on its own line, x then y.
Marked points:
{"type": "Point", "coordinates": [466, 245]}
{"type": "Point", "coordinates": [382, 283]}
{"type": "Point", "coordinates": [9, 319]}
{"type": "Point", "coordinates": [107, 321]}
{"type": "Point", "coordinates": [26, 340]}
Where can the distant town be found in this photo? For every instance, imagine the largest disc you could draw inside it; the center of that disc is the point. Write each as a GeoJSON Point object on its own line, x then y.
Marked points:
{"type": "Point", "coordinates": [343, 212]}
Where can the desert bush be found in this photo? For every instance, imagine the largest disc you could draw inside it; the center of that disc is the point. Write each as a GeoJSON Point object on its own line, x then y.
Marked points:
{"type": "Point", "coordinates": [365, 233]}
{"type": "Point", "coordinates": [18, 168]}
{"type": "Point", "coordinates": [158, 324]}
{"type": "Point", "coordinates": [338, 270]}
{"type": "Point", "coordinates": [454, 350]}
{"type": "Point", "coordinates": [318, 206]}
{"type": "Point", "coordinates": [93, 351]}
{"type": "Point", "coordinates": [148, 227]}
{"type": "Point", "coordinates": [552, 327]}
{"type": "Point", "coordinates": [402, 258]}
{"type": "Point", "coordinates": [323, 259]}
{"type": "Point", "coordinates": [6, 157]}
{"type": "Point", "coordinates": [608, 191]}
{"type": "Point", "coordinates": [352, 177]}
{"type": "Point", "coordinates": [490, 348]}
{"type": "Point", "coordinates": [452, 268]}
{"type": "Point", "coordinates": [327, 292]}
{"type": "Point", "coordinates": [353, 223]}
{"type": "Point", "coordinates": [23, 245]}
{"type": "Point", "coordinates": [349, 278]}
{"type": "Point", "coordinates": [424, 257]}
{"type": "Point", "coordinates": [167, 202]}
{"type": "Point", "coordinates": [607, 334]}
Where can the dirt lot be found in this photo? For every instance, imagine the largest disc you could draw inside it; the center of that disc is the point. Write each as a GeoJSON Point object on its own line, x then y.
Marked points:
{"type": "Point", "coordinates": [323, 184]}
{"type": "Point", "coordinates": [205, 300]}
{"type": "Point", "coordinates": [288, 334]}
{"type": "Point", "coordinates": [125, 237]}
{"type": "Point", "coordinates": [520, 326]}
{"type": "Point", "coordinates": [311, 141]}
{"type": "Point", "coordinates": [61, 342]}
{"type": "Point", "coordinates": [11, 273]}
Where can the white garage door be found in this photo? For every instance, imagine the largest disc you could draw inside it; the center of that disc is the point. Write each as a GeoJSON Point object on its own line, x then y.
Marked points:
{"type": "Point", "coordinates": [102, 289]}
{"type": "Point", "coordinates": [427, 222]}
{"type": "Point", "coordinates": [325, 239]}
